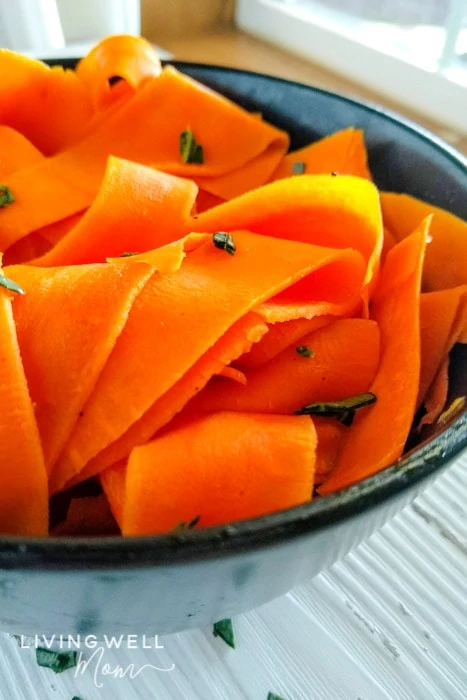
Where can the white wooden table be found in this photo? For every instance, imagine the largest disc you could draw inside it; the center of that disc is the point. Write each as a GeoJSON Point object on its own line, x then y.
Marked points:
{"type": "Point", "coordinates": [389, 622]}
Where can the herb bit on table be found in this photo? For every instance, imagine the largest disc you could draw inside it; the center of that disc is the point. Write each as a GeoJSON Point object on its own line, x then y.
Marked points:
{"type": "Point", "coordinates": [57, 661]}
{"type": "Point", "coordinates": [224, 630]}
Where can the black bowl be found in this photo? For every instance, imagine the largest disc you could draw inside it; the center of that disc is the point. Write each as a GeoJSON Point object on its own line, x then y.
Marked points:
{"type": "Point", "coordinates": [163, 584]}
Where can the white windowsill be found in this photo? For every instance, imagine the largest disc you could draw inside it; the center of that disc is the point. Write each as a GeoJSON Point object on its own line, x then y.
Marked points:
{"type": "Point", "coordinates": [427, 92]}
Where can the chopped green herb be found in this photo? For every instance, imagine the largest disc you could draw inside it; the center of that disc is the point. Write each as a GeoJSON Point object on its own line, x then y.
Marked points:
{"type": "Point", "coordinates": [190, 150]}
{"type": "Point", "coordinates": [451, 411]}
{"type": "Point", "coordinates": [57, 661]}
{"type": "Point", "coordinates": [224, 241]}
{"type": "Point", "coordinates": [273, 696]}
{"type": "Point", "coordinates": [6, 196]}
{"type": "Point", "coordinates": [299, 167]}
{"type": "Point", "coordinates": [128, 255]}
{"type": "Point", "coordinates": [224, 630]}
{"type": "Point", "coordinates": [304, 351]}
{"type": "Point", "coordinates": [181, 527]}
{"type": "Point", "coordinates": [10, 285]}
{"type": "Point", "coordinates": [75, 697]}
{"type": "Point", "coordinates": [343, 410]}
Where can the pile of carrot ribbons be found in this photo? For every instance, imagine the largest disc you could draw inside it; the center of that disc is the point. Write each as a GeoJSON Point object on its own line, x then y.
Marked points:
{"type": "Point", "coordinates": [211, 326]}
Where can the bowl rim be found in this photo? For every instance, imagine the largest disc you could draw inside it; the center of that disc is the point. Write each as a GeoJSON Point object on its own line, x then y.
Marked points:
{"type": "Point", "coordinates": [411, 470]}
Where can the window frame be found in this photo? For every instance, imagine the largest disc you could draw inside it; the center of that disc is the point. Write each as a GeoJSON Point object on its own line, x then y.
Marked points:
{"type": "Point", "coordinates": [428, 93]}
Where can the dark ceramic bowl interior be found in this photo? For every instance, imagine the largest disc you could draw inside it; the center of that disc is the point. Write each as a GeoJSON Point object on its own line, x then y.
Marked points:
{"type": "Point", "coordinates": [403, 158]}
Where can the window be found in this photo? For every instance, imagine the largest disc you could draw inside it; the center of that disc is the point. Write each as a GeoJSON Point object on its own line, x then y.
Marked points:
{"type": "Point", "coordinates": [413, 51]}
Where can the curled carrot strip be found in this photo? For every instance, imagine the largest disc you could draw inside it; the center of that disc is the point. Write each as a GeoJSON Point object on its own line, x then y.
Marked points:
{"type": "Point", "coordinates": [235, 374]}
{"type": "Point", "coordinates": [180, 307]}
{"type": "Point", "coordinates": [446, 255]}
{"type": "Point", "coordinates": [205, 468]}
{"type": "Point", "coordinates": [238, 339]}
{"type": "Point", "coordinates": [443, 322]}
{"type": "Point", "coordinates": [379, 432]}
{"type": "Point", "coordinates": [67, 323]}
{"type": "Point", "coordinates": [49, 106]}
{"type": "Point", "coordinates": [16, 152]}
{"type": "Point", "coordinates": [330, 433]}
{"type": "Point", "coordinates": [341, 212]}
{"type": "Point", "coordinates": [23, 480]}
{"type": "Point", "coordinates": [344, 359]}
{"type": "Point", "coordinates": [129, 58]}
{"type": "Point", "coordinates": [68, 183]}
{"type": "Point", "coordinates": [137, 209]}
{"type": "Point", "coordinates": [343, 153]}
{"type": "Point", "coordinates": [279, 337]}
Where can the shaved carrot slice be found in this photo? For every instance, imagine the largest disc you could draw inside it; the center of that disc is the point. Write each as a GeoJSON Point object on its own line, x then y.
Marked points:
{"type": "Point", "coordinates": [279, 337]}
{"type": "Point", "coordinates": [39, 242]}
{"type": "Point", "coordinates": [341, 212]}
{"type": "Point", "coordinates": [234, 342]}
{"type": "Point", "coordinates": [224, 467]}
{"type": "Point", "coordinates": [253, 174]}
{"type": "Point", "coordinates": [389, 241]}
{"type": "Point", "coordinates": [343, 152]}
{"type": "Point", "coordinates": [345, 357]}
{"type": "Point", "coordinates": [446, 255]}
{"type": "Point", "coordinates": [379, 432]}
{"type": "Point", "coordinates": [167, 258]}
{"type": "Point", "coordinates": [232, 373]}
{"type": "Point", "coordinates": [180, 306]}
{"type": "Point", "coordinates": [16, 152]}
{"type": "Point", "coordinates": [443, 322]}
{"type": "Point", "coordinates": [68, 183]}
{"type": "Point", "coordinates": [113, 482]}
{"type": "Point", "coordinates": [205, 200]}
{"type": "Point", "coordinates": [330, 433]}
{"type": "Point", "coordinates": [437, 394]}
{"type": "Point", "coordinates": [53, 233]}
{"type": "Point", "coordinates": [130, 58]}
{"type": "Point", "coordinates": [335, 289]}
{"type": "Point", "coordinates": [49, 106]}
{"type": "Point", "coordinates": [137, 209]}
{"type": "Point", "coordinates": [26, 249]}
{"type": "Point", "coordinates": [23, 480]}
{"type": "Point", "coordinates": [67, 323]}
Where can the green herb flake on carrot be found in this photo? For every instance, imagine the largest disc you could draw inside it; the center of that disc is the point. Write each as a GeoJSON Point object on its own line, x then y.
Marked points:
{"type": "Point", "coordinates": [190, 150]}
{"type": "Point", "coordinates": [10, 285]}
{"type": "Point", "coordinates": [298, 168]}
{"type": "Point", "coordinates": [183, 526]}
{"type": "Point", "coordinates": [128, 254]}
{"type": "Point", "coordinates": [224, 241]}
{"type": "Point", "coordinates": [224, 630]}
{"type": "Point", "coordinates": [6, 196]}
{"type": "Point", "coordinates": [343, 410]}
{"type": "Point", "coordinates": [304, 351]}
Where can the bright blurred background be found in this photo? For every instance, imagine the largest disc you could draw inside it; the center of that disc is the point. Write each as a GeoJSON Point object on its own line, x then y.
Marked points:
{"type": "Point", "coordinates": [413, 52]}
